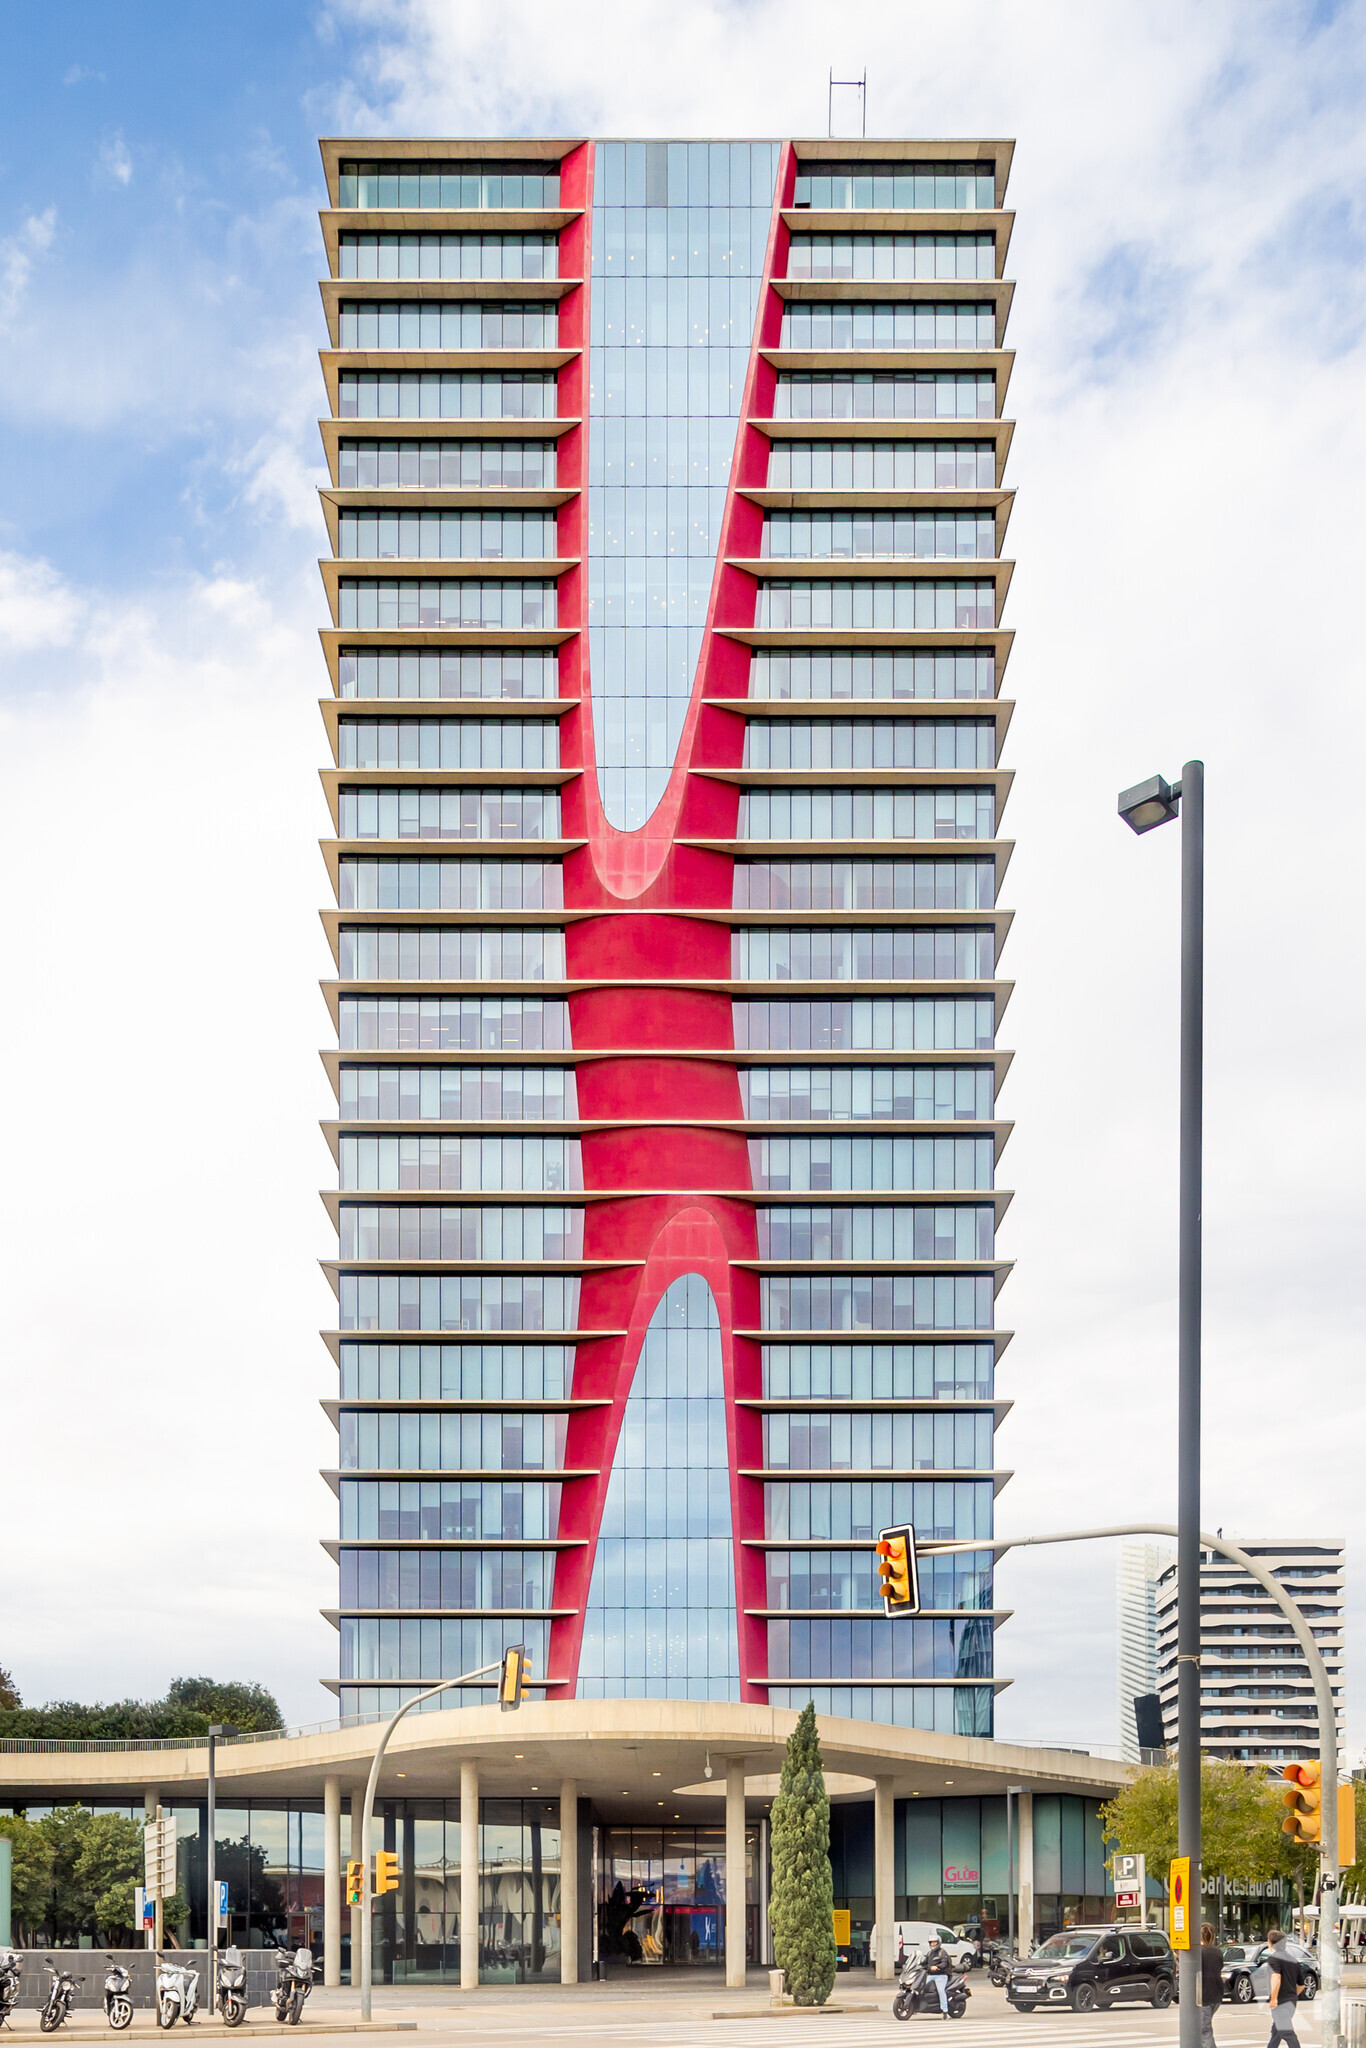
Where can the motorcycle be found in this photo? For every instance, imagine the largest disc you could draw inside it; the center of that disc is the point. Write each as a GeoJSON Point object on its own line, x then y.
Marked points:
{"type": "Point", "coordinates": [177, 1995]}
{"type": "Point", "coordinates": [293, 1984]}
{"type": "Point", "coordinates": [60, 1993]}
{"type": "Point", "coordinates": [917, 1994]}
{"type": "Point", "coordinates": [118, 2006]}
{"type": "Point", "coordinates": [1002, 1960]}
{"type": "Point", "coordinates": [230, 1986]}
{"type": "Point", "coordinates": [9, 1983]}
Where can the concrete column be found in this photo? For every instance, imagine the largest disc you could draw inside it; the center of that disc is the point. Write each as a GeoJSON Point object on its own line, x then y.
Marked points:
{"type": "Point", "coordinates": [884, 1879]}
{"type": "Point", "coordinates": [469, 1876]}
{"type": "Point", "coordinates": [332, 1883]}
{"type": "Point", "coordinates": [735, 1873]}
{"type": "Point", "coordinates": [569, 1881]}
{"type": "Point", "coordinates": [360, 1850]}
{"type": "Point", "coordinates": [151, 1807]}
{"type": "Point", "coordinates": [1024, 1907]}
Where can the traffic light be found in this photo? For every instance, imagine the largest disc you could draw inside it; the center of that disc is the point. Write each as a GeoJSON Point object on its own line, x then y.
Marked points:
{"type": "Point", "coordinates": [1303, 1803]}
{"type": "Point", "coordinates": [355, 1882]}
{"type": "Point", "coordinates": [516, 1671]}
{"type": "Point", "coordinates": [386, 1872]}
{"type": "Point", "coordinates": [896, 1570]}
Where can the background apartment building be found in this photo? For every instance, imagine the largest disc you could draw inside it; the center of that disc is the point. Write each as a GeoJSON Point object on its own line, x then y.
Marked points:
{"type": "Point", "coordinates": [1256, 1694]}
{"type": "Point", "coordinates": [1138, 1568]}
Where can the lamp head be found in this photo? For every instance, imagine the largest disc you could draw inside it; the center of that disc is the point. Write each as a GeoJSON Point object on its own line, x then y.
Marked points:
{"type": "Point", "coordinates": [1154, 802]}
{"type": "Point", "coordinates": [221, 1729]}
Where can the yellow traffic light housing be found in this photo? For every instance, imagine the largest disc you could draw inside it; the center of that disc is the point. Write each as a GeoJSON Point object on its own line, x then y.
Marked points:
{"type": "Point", "coordinates": [355, 1883]}
{"type": "Point", "coordinates": [898, 1577]}
{"type": "Point", "coordinates": [516, 1671]}
{"type": "Point", "coordinates": [386, 1872]}
{"type": "Point", "coordinates": [1303, 1803]}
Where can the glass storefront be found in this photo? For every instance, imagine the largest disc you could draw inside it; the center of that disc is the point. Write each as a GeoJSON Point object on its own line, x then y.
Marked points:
{"type": "Point", "coordinates": [662, 1896]}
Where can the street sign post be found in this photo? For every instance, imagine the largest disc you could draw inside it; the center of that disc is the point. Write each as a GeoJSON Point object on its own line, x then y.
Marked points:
{"type": "Point", "coordinates": [1180, 1896]}
{"type": "Point", "coordinates": [1130, 1874]}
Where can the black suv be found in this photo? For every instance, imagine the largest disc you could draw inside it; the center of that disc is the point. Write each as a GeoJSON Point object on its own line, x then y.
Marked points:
{"type": "Point", "coordinates": [1088, 1967]}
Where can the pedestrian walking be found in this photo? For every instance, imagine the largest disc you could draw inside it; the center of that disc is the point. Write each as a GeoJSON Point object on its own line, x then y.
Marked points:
{"type": "Point", "coordinates": [1211, 1983]}
{"type": "Point", "coordinates": [1287, 1979]}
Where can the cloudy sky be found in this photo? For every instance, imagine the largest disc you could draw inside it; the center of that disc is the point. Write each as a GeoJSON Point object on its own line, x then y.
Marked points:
{"type": "Point", "coordinates": [1189, 327]}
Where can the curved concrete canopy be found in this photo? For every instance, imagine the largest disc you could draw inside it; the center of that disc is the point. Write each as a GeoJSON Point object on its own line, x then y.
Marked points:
{"type": "Point", "coordinates": [616, 1750]}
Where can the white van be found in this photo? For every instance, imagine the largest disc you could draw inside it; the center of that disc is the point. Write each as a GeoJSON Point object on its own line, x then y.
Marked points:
{"type": "Point", "coordinates": [913, 1937]}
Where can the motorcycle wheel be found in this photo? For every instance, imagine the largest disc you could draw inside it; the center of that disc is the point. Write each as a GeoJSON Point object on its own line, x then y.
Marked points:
{"type": "Point", "coordinates": [49, 2021]}
{"type": "Point", "coordinates": [120, 2013]}
{"type": "Point", "coordinates": [235, 2011]}
{"type": "Point", "coordinates": [957, 2007]}
{"type": "Point", "coordinates": [281, 2009]}
{"type": "Point", "coordinates": [901, 2006]}
{"type": "Point", "coordinates": [296, 2008]}
{"type": "Point", "coordinates": [166, 2013]}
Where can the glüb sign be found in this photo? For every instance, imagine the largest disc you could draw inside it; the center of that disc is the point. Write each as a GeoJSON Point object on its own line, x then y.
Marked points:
{"type": "Point", "coordinates": [1181, 1902]}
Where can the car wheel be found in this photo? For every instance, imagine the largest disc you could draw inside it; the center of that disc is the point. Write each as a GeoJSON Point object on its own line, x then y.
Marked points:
{"type": "Point", "coordinates": [1311, 1985]}
{"type": "Point", "coordinates": [1084, 1998]}
{"type": "Point", "coordinates": [1162, 1995]}
{"type": "Point", "coordinates": [1023, 2004]}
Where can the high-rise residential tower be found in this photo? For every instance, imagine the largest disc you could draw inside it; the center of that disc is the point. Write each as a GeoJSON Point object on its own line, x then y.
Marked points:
{"type": "Point", "coordinates": [1136, 1602]}
{"type": "Point", "coordinates": [1256, 1694]}
{"type": "Point", "coordinates": [667, 510]}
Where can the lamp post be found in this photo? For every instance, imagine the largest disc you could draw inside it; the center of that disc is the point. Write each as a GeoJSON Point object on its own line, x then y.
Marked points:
{"type": "Point", "coordinates": [219, 1731]}
{"type": "Point", "coordinates": [1155, 803]}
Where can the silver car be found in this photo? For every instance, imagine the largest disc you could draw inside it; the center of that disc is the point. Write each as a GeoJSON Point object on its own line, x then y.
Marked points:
{"type": "Point", "coordinates": [1247, 1971]}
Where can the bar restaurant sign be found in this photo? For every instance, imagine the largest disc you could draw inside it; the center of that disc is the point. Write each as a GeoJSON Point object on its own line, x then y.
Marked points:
{"type": "Point", "coordinates": [962, 1877]}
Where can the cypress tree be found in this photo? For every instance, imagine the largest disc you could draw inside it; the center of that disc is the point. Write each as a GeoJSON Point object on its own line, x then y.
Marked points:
{"type": "Point", "coordinates": [802, 1905]}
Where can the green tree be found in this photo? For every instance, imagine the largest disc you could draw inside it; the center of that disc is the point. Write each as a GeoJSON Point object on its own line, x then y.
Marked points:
{"type": "Point", "coordinates": [9, 1691]}
{"type": "Point", "coordinates": [248, 1707]}
{"type": "Point", "coordinates": [31, 1873]}
{"type": "Point", "coordinates": [802, 1905]}
{"type": "Point", "coordinates": [187, 1710]}
{"type": "Point", "coordinates": [106, 1867]}
{"type": "Point", "coordinates": [1240, 1822]}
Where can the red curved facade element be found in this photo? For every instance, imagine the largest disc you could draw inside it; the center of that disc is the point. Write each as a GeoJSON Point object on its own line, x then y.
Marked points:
{"type": "Point", "coordinates": [654, 1068]}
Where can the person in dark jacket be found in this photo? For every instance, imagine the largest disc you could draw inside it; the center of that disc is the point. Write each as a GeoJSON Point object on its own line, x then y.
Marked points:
{"type": "Point", "coordinates": [1287, 1979]}
{"type": "Point", "coordinates": [1211, 1983]}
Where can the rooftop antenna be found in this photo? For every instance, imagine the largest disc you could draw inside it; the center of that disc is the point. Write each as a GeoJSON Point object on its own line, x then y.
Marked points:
{"type": "Point", "coordinates": [858, 85]}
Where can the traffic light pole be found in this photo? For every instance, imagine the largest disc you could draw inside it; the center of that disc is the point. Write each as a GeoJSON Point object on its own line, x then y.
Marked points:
{"type": "Point", "coordinates": [1330, 1946]}
{"type": "Point", "coordinates": [367, 1814]}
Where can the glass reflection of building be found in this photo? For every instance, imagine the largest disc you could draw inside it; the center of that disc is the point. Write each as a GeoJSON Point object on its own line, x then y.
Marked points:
{"type": "Point", "coordinates": [667, 505]}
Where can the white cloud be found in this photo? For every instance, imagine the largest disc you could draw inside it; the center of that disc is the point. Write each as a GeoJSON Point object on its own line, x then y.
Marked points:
{"type": "Point", "coordinates": [17, 255]}
{"type": "Point", "coordinates": [37, 607]}
{"type": "Point", "coordinates": [114, 165]}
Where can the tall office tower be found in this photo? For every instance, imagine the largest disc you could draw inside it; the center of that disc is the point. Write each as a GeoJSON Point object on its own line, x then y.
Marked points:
{"type": "Point", "coordinates": [666, 657]}
{"type": "Point", "coordinates": [1256, 1695]}
{"type": "Point", "coordinates": [1136, 1588]}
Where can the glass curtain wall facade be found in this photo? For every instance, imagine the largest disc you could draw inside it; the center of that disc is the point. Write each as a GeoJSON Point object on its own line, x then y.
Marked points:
{"type": "Point", "coordinates": [669, 581]}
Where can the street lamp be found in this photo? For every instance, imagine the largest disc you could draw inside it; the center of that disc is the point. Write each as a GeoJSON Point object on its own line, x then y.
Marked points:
{"type": "Point", "coordinates": [219, 1731]}
{"type": "Point", "coordinates": [1149, 804]}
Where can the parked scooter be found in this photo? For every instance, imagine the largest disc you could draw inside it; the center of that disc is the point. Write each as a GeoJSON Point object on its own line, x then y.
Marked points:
{"type": "Point", "coordinates": [917, 1994]}
{"type": "Point", "coordinates": [230, 1986]}
{"type": "Point", "coordinates": [177, 1993]}
{"type": "Point", "coordinates": [118, 2006]}
{"type": "Point", "coordinates": [1002, 1961]}
{"type": "Point", "coordinates": [293, 1984]}
{"type": "Point", "coordinates": [60, 1993]}
{"type": "Point", "coordinates": [9, 1983]}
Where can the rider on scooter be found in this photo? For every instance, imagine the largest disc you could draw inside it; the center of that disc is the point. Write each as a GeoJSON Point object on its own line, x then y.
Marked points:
{"type": "Point", "coordinates": [937, 1967]}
